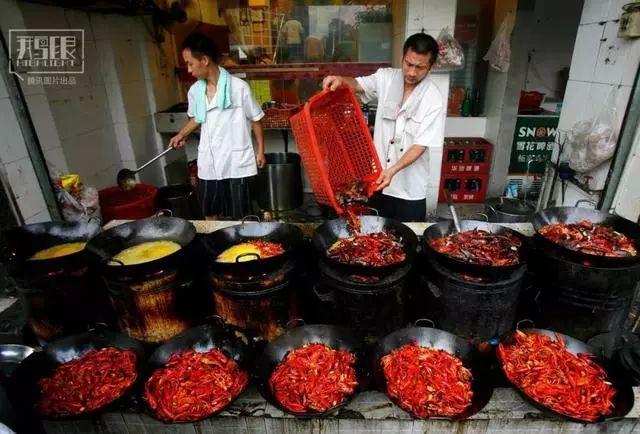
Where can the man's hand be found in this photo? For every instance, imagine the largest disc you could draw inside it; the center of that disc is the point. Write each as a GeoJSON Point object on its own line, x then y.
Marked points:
{"type": "Point", "coordinates": [385, 178]}
{"type": "Point", "coordinates": [332, 82]}
{"type": "Point", "coordinates": [261, 160]}
{"type": "Point", "coordinates": [178, 141]}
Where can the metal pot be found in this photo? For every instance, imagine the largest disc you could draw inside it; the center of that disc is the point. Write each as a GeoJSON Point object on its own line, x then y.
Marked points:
{"type": "Point", "coordinates": [181, 200]}
{"type": "Point", "coordinates": [280, 182]}
{"type": "Point", "coordinates": [507, 210]}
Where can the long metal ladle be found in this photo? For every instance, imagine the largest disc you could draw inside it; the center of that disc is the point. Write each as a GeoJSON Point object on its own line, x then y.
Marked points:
{"type": "Point", "coordinates": [452, 210]}
{"type": "Point", "coordinates": [127, 178]}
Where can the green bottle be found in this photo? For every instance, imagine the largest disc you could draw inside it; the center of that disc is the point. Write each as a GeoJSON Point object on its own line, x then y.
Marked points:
{"type": "Point", "coordinates": [465, 110]}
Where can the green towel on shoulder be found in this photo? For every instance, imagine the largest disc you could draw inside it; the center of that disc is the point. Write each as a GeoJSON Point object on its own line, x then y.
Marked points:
{"type": "Point", "coordinates": [223, 95]}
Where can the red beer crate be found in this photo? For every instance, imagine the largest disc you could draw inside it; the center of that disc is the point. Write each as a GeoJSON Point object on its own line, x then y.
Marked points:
{"type": "Point", "coordinates": [464, 188]}
{"type": "Point", "coordinates": [466, 155]}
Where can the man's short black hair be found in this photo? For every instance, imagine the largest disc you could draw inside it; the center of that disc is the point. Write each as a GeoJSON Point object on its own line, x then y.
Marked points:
{"type": "Point", "coordinates": [201, 45]}
{"type": "Point", "coordinates": [421, 43]}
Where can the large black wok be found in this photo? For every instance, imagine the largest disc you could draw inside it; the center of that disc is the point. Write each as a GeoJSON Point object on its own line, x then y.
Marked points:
{"type": "Point", "coordinates": [112, 241]}
{"type": "Point", "coordinates": [445, 228]}
{"type": "Point", "coordinates": [23, 242]}
{"type": "Point", "coordinates": [331, 231]}
{"type": "Point", "coordinates": [23, 385]}
{"type": "Point", "coordinates": [201, 339]}
{"type": "Point", "coordinates": [576, 214]}
{"type": "Point", "coordinates": [289, 236]}
{"type": "Point", "coordinates": [624, 397]}
{"type": "Point", "coordinates": [440, 340]}
{"type": "Point", "coordinates": [337, 338]}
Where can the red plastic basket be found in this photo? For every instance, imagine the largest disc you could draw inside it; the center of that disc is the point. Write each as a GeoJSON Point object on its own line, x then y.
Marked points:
{"type": "Point", "coordinates": [334, 142]}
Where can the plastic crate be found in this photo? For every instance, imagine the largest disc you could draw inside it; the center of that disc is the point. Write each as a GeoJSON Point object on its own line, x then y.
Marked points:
{"type": "Point", "coordinates": [464, 188]}
{"type": "Point", "coordinates": [334, 142]}
{"type": "Point", "coordinates": [278, 118]}
{"type": "Point", "coordinates": [466, 155]}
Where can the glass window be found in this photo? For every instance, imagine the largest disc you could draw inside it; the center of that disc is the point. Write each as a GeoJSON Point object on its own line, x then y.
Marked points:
{"type": "Point", "coordinates": [293, 32]}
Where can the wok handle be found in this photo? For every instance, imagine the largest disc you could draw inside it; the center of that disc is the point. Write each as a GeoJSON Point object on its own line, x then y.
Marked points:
{"type": "Point", "coordinates": [435, 291]}
{"type": "Point", "coordinates": [420, 321]}
{"type": "Point", "coordinates": [217, 318]}
{"type": "Point", "coordinates": [294, 323]}
{"type": "Point", "coordinates": [525, 321]}
{"type": "Point", "coordinates": [250, 216]}
{"type": "Point", "coordinates": [324, 297]}
{"type": "Point", "coordinates": [247, 254]}
{"type": "Point", "coordinates": [481, 214]}
{"type": "Point", "coordinates": [491, 208]}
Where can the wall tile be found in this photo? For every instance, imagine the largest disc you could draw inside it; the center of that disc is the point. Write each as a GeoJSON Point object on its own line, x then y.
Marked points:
{"type": "Point", "coordinates": [594, 11]}
{"type": "Point", "coordinates": [25, 187]}
{"type": "Point", "coordinates": [124, 141]}
{"type": "Point", "coordinates": [43, 121]}
{"type": "Point", "coordinates": [618, 58]}
{"type": "Point", "coordinates": [3, 88]}
{"type": "Point", "coordinates": [575, 100]}
{"type": "Point", "coordinates": [38, 16]}
{"type": "Point", "coordinates": [56, 160]}
{"type": "Point", "coordinates": [78, 110]}
{"type": "Point", "coordinates": [115, 102]}
{"type": "Point", "coordinates": [79, 20]}
{"type": "Point", "coordinates": [439, 14]}
{"type": "Point", "coordinates": [41, 217]}
{"type": "Point", "coordinates": [128, 60]}
{"type": "Point", "coordinates": [415, 14]}
{"type": "Point", "coordinates": [112, 26]}
{"type": "Point", "coordinates": [90, 153]}
{"type": "Point", "coordinates": [12, 146]}
{"type": "Point", "coordinates": [585, 52]}
{"type": "Point", "coordinates": [615, 9]}
{"type": "Point", "coordinates": [134, 97]}
{"type": "Point", "coordinates": [107, 62]}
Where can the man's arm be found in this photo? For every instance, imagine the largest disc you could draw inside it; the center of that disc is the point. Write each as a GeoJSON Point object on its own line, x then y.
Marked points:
{"type": "Point", "coordinates": [406, 160]}
{"type": "Point", "coordinates": [258, 131]}
{"type": "Point", "coordinates": [332, 82]}
{"type": "Point", "coordinates": [180, 139]}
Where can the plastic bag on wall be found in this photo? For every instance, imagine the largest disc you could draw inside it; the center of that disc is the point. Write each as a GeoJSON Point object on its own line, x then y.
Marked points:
{"type": "Point", "coordinates": [594, 142]}
{"type": "Point", "coordinates": [499, 53]}
{"type": "Point", "coordinates": [450, 54]}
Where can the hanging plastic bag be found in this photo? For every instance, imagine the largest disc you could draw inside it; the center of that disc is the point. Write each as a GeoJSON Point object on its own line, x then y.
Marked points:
{"type": "Point", "coordinates": [593, 142]}
{"type": "Point", "coordinates": [450, 54]}
{"type": "Point", "coordinates": [499, 53]}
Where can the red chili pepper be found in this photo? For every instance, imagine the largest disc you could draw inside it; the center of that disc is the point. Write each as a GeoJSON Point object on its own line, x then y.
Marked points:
{"type": "Point", "coordinates": [575, 386]}
{"type": "Point", "coordinates": [427, 382]}
{"type": "Point", "coordinates": [314, 378]}
{"type": "Point", "coordinates": [87, 383]}
{"type": "Point", "coordinates": [589, 238]}
{"type": "Point", "coordinates": [267, 248]}
{"type": "Point", "coordinates": [480, 247]}
{"type": "Point", "coordinates": [193, 385]}
{"type": "Point", "coordinates": [375, 250]}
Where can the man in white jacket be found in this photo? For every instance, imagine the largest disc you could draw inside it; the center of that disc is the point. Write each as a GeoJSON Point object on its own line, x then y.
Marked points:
{"type": "Point", "coordinates": [408, 121]}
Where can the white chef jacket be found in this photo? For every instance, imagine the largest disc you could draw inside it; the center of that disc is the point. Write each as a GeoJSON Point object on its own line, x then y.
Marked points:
{"type": "Point", "coordinates": [419, 121]}
{"type": "Point", "coordinates": [225, 149]}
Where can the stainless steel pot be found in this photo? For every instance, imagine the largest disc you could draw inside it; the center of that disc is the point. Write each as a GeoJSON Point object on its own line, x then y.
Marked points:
{"type": "Point", "coordinates": [280, 182]}
{"type": "Point", "coordinates": [507, 210]}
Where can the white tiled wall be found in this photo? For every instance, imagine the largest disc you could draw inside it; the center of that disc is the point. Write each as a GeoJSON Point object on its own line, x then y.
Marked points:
{"type": "Point", "coordinates": [432, 16]}
{"type": "Point", "coordinates": [603, 68]}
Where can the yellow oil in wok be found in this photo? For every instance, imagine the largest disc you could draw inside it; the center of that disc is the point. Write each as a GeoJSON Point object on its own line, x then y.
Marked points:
{"type": "Point", "coordinates": [58, 251]}
{"type": "Point", "coordinates": [145, 252]}
{"type": "Point", "coordinates": [235, 252]}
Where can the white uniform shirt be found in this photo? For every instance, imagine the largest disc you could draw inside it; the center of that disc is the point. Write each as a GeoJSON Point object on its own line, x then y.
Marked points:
{"type": "Point", "coordinates": [419, 121]}
{"type": "Point", "coordinates": [225, 149]}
